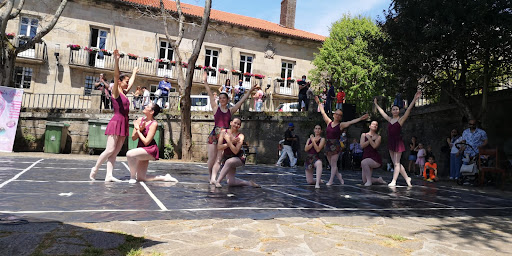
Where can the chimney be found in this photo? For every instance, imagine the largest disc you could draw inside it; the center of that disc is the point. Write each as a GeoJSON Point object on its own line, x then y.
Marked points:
{"type": "Point", "coordinates": [288, 13]}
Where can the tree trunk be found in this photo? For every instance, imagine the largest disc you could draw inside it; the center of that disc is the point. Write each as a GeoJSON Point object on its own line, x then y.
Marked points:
{"type": "Point", "coordinates": [485, 88]}
{"type": "Point", "coordinates": [7, 72]}
{"type": "Point", "coordinates": [186, 122]}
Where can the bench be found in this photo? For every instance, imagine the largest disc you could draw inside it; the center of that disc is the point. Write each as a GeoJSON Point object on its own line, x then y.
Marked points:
{"type": "Point", "coordinates": [250, 150]}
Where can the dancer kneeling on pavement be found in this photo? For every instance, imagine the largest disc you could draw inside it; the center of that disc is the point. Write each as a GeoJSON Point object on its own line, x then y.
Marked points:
{"type": "Point", "coordinates": [314, 146]}
{"type": "Point", "coordinates": [230, 141]}
{"type": "Point", "coordinates": [371, 159]}
{"type": "Point", "coordinates": [144, 129]}
{"type": "Point", "coordinates": [332, 136]}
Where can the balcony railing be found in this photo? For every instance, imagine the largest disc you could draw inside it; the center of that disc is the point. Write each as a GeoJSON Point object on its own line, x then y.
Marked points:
{"type": "Point", "coordinates": [96, 101]}
{"type": "Point", "coordinates": [85, 58]}
{"type": "Point", "coordinates": [38, 52]}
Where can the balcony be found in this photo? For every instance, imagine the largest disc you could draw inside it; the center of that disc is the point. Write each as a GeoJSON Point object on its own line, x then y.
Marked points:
{"type": "Point", "coordinates": [85, 59]}
{"type": "Point", "coordinates": [37, 54]}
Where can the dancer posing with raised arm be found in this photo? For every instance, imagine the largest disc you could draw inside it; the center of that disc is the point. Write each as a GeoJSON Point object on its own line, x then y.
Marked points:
{"type": "Point", "coordinates": [395, 143]}
{"type": "Point", "coordinates": [314, 146]}
{"type": "Point", "coordinates": [117, 127]}
{"type": "Point", "coordinates": [222, 116]}
{"type": "Point", "coordinates": [144, 129]}
{"type": "Point", "coordinates": [332, 136]}
{"type": "Point", "coordinates": [230, 141]}
{"type": "Point", "coordinates": [370, 141]}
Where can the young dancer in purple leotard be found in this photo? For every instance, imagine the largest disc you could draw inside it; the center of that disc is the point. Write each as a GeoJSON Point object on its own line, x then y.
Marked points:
{"type": "Point", "coordinates": [332, 136]}
{"type": "Point", "coordinates": [144, 130]}
{"type": "Point", "coordinates": [313, 147]}
{"type": "Point", "coordinates": [117, 127]}
{"type": "Point", "coordinates": [370, 141]}
{"type": "Point", "coordinates": [395, 143]}
{"type": "Point", "coordinates": [222, 117]}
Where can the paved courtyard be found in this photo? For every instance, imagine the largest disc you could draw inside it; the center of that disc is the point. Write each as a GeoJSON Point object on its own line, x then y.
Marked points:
{"type": "Point", "coordinates": [49, 207]}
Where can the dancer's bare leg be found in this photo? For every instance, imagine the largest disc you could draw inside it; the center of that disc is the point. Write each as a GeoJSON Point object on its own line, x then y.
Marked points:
{"type": "Point", "coordinates": [333, 162]}
{"type": "Point", "coordinates": [212, 156]}
{"type": "Point", "coordinates": [109, 150]}
{"type": "Point", "coordinates": [399, 168]}
{"type": "Point", "coordinates": [112, 160]}
{"type": "Point", "coordinates": [318, 167]}
{"type": "Point", "coordinates": [309, 177]}
{"type": "Point", "coordinates": [367, 166]}
{"type": "Point", "coordinates": [216, 166]}
{"type": "Point", "coordinates": [134, 157]}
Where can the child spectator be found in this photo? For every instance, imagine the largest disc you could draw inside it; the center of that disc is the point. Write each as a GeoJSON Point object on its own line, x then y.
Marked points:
{"type": "Point", "coordinates": [420, 160]}
{"type": "Point", "coordinates": [340, 98]}
{"type": "Point", "coordinates": [431, 167]}
{"type": "Point", "coordinates": [429, 152]}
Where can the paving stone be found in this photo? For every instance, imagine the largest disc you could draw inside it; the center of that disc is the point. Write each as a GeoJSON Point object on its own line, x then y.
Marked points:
{"type": "Point", "coordinates": [20, 244]}
{"type": "Point", "coordinates": [103, 240]}
{"type": "Point", "coordinates": [70, 240]}
{"type": "Point", "coordinates": [65, 249]}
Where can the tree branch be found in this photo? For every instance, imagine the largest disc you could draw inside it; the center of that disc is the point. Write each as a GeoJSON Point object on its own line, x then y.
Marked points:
{"type": "Point", "coordinates": [18, 10]}
{"type": "Point", "coordinates": [5, 15]}
{"type": "Point", "coordinates": [44, 30]}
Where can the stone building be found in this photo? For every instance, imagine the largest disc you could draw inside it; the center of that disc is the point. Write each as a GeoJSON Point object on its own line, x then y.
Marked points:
{"type": "Point", "coordinates": [233, 42]}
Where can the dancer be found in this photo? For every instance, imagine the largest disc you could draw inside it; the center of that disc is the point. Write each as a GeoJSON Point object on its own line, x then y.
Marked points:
{"type": "Point", "coordinates": [222, 116]}
{"type": "Point", "coordinates": [117, 128]}
{"type": "Point", "coordinates": [332, 135]}
{"type": "Point", "coordinates": [395, 142]}
{"type": "Point", "coordinates": [314, 146]}
{"type": "Point", "coordinates": [144, 130]}
{"type": "Point", "coordinates": [230, 141]}
{"type": "Point", "coordinates": [370, 141]}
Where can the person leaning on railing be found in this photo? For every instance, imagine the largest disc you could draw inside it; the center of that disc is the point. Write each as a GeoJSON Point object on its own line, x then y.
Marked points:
{"type": "Point", "coordinates": [103, 86]}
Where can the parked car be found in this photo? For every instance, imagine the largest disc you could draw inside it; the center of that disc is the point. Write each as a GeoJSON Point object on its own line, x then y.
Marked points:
{"type": "Point", "coordinates": [288, 107]}
{"type": "Point", "coordinates": [202, 103]}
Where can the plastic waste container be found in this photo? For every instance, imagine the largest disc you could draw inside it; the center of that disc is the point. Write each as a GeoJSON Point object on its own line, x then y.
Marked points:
{"type": "Point", "coordinates": [158, 138]}
{"type": "Point", "coordinates": [96, 137]}
{"type": "Point", "coordinates": [55, 137]}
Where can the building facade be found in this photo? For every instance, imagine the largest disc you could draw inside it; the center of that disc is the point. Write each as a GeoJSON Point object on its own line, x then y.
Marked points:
{"type": "Point", "coordinates": [70, 59]}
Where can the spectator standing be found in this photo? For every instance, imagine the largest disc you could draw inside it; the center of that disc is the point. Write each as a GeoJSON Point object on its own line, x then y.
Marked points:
{"type": "Point", "coordinates": [289, 138]}
{"type": "Point", "coordinates": [103, 86]}
{"type": "Point", "coordinates": [455, 156]}
{"type": "Point", "coordinates": [137, 96]}
{"type": "Point", "coordinates": [398, 101]}
{"type": "Point", "coordinates": [145, 97]}
{"type": "Point", "coordinates": [330, 97]}
{"type": "Point", "coordinates": [413, 147]}
{"type": "Point", "coordinates": [239, 91]}
{"type": "Point", "coordinates": [420, 160]}
{"type": "Point", "coordinates": [227, 88]}
{"type": "Point", "coordinates": [258, 99]}
{"type": "Point", "coordinates": [321, 99]}
{"type": "Point", "coordinates": [303, 94]}
{"type": "Point", "coordinates": [165, 88]}
{"type": "Point", "coordinates": [340, 99]}
{"type": "Point", "coordinates": [475, 137]}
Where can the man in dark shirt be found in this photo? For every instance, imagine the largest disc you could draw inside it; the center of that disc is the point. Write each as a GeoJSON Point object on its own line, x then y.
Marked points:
{"type": "Point", "coordinates": [331, 95]}
{"type": "Point", "coordinates": [289, 137]}
{"type": "Point", "coordinates": [303, 94]}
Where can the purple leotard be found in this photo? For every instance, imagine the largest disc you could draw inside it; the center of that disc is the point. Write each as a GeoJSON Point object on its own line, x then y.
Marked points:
{"type": "Point", "coordinates": [118, 125]}
{"type": "Point", "coordinates": [152, 148]}
{"type": "Point", "coordinates": [395, 142]}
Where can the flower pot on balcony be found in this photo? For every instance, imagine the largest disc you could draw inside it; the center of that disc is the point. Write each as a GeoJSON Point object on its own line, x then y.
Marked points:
{"type": "Point", "coordinates": [132, 57]}
{"type": "Point", "coordinates": [10, 36]}
{"type": "Point", "coordinates": [147, 60]}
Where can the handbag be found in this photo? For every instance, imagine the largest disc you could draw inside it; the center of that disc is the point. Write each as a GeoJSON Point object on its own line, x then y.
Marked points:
{"type": "Point", "coordinates": [158, 93]}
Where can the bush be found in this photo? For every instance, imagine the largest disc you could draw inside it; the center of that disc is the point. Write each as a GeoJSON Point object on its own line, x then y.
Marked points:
{"type": "Point", "coordinates": [168, 151]}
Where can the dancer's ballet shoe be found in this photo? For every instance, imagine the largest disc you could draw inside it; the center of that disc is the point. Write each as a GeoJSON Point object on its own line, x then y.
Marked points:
{"type": "Point", "coordinates": [317, 186]}
{"type": "Point", "coordinates": [381, 181]}
{"type": "Point", "coordinates": [408, 180]}
{"type": "Point", "coordinates": [169, 178]}
{"type": "Point", "coordinates": [92, 175]}
{"type": "Point", "coordinates": [367, 184]}
{"type": "Point", "coordinates": [342, 182]}
{"type": "Point", "coordinates": [392, 184]}
{"type": "Point", "coordinates": [328, 184]}
{"type": "Point", "coordinates": [218, 185]}
{"type": "Point", "coordinates": [132, 181]}
{"type": "Point", "coordinates": [254, 185]}
{"type": "Point", "coordinates": [112, 179]}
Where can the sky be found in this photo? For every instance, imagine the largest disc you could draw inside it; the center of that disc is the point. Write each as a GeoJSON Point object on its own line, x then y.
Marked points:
{"type": "Point", "coordinates": [314, 16]}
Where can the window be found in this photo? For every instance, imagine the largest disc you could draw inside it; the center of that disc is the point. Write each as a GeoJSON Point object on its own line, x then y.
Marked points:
{"type": "Point", "coordinates": [28, 28]}
{"type": "Point", "coordinates": [246, 66]}
{"type": "Point", "coordinates": [166, 52]}
{"type": "Point", "coordinates": [22, 77]}
{"type": "Point", "coordinates": [98, 39]}
{"type": "Point", "coordinates": [211, 60]}
{"type": "Point", "coordinates": [89, 84]}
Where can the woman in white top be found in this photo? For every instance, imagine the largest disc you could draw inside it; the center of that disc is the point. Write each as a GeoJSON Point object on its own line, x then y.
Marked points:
{"type": "Point", "coordinates": [455, 156]}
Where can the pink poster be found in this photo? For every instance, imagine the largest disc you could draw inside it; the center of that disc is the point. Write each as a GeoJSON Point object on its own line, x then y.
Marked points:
{"type": "Point", "coordinates": [10, 106]}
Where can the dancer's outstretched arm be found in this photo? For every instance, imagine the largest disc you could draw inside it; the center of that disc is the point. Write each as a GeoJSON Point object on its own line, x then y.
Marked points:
{"type": "Point", "coordinates": [409, 109]}
{"type": "Point", "coordinates": [115, 90]}
{"type": "Point", "coordinates": [239, 104]}
{"type": "Point", "coordinates": [132, 78]}
{"type": "Point", "coordinates": [381, 111]}
{"type": "Point", "coordinates": [321, 107]}
{"type": "Point", "coordinates": [344, 125]}
{"type": "Point", "coordinates": [213, 102]}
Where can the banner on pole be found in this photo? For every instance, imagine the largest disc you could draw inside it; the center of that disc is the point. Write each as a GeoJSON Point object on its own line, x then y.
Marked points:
{"type": "Point", "coordinates": [10, 106]}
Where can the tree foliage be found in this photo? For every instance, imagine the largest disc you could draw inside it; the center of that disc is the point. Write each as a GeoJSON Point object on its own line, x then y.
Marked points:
{"type": "Point", "coordinates": [348, 59]}
{"type": "Point", "coordinates": [457, 47]}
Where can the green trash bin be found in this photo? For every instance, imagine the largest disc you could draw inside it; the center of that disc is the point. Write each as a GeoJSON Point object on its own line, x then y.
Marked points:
{"type": "Point", "coordinates": [96, 137]}
{"type": "Point", "coordinates": [158, 138]}
{"type": "Point", "coordinates": [55, 137]}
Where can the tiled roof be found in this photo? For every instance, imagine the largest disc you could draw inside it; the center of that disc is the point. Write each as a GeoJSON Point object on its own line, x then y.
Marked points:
{"type": "Point", "coordinates": [230, 18]}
